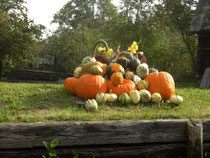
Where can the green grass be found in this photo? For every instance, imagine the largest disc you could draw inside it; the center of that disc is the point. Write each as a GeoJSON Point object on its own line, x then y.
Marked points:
{"type": "Point", "coordinates": [45, 102]}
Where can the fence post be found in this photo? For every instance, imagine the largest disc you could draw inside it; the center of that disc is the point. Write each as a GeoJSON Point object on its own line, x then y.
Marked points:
{"type": "Point", "coordinates": [195, 139]}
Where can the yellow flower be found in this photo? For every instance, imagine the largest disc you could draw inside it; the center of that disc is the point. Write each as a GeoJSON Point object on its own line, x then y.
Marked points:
{"type": "Point", "coordinates": [133, 48]}
{"type": "Point", "coordinates": [101, 49]}
{"type": "Point", "coordinates": [108, 53]}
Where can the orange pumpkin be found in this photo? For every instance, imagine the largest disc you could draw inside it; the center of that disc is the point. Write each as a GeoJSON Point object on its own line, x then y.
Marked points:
{"type": "Point", "coordinates": [117, 78]}
{"type": "Point", "coordinates": [161, 82]}
{"type": "Point", "coordinates": [89, 85]}
{"type": "Point", "coordinates": [127, 86]}
{"type": "Point", "coordinates": [70, 83]}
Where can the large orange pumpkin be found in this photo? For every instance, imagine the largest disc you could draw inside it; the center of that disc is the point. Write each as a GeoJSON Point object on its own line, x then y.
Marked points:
{"type": "Point", "coordinates": [89, 85]}
{"type": "Point", "coordinates": [70, 83]}
{"type": "Point", "coordinates": [161, 82]}
{"type": "Point", "coordinates": [127, 86]}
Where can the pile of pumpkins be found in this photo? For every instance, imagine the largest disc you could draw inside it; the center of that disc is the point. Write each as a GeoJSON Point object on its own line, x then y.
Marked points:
{"type": "Point", "coordinates": [125, 80]}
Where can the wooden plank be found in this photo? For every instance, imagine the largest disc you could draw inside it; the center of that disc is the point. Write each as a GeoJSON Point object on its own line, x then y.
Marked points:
{"type": "Point", "coordinates": [206, 130]}
{"type": "Point", "coordinates": [144, 151]}
{"type": "Point", "coordinates": [205, 82]}
{"type": "Point", "coordinates": [195, 139]}
{"type": "Point", "coordinates": [92, 133]}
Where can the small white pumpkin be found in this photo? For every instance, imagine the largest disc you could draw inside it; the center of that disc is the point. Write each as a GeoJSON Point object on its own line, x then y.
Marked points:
{"type": "Point", "coordinates": [91, 105]}
{"type": "Point", "coordinates": [145, 95]}
{"type": "Point", "coordinates": [100, 98]}
{"type": "Point", "coordinates": [111, 97]}
{"type": "Point", "coordinates": [135, 96]}
{"type": "Point", "coordinates": [136, 79]}
{"type": "Point", "coordinates": [142, 84]}
{"type": "Point", "coordinates": [129, 75]}
{"type": "Point", "coordinates": [156, 98]}
{"type": "Point", "coordinates": [77, 72]}
{"type": "Point", "coordinates": [176, 99]}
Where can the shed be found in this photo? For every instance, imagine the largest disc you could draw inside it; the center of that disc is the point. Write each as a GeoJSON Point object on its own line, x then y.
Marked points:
{"type": "Point", "coordinates": [201, 26]}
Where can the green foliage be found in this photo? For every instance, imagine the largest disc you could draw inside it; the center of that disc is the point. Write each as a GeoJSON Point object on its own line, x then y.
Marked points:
{"type": "Point", "coordinates": [17, 33]}
{"type": "Point", "coordinates": [52, 153]}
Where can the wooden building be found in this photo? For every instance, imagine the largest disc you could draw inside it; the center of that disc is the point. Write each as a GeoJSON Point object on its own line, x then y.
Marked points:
{"type": "Point", "coordinates": [201, 26]}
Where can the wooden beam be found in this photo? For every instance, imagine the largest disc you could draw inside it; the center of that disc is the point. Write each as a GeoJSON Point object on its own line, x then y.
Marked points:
{"type": "Point", "coordinates": [14, 136]}
{"type": "Point", "coordinates": [195, 139]}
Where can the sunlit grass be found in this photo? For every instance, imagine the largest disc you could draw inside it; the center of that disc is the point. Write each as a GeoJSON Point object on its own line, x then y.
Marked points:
{"type": "Point", "coordinates": [45, 102]}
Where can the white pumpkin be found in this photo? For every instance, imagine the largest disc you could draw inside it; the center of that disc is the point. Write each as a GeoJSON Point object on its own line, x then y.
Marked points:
{"type": "Point", "coordinates": [91, 105]}
{"type": "Point", "coordinates": [77, 72]}
{"type": "Point", "coordinates": [136, 79]}
{"type": "Point", "coordinates": [135, 96]}
{"type": "Point", "coordinates": [176, 99]}
{"type": "Point", "coordinates": [100, 98]}
{"type": "Point", "coordinates": [129, 75]}
{"type": "Point", "coordinates": [111, 97]}
{"type": "Point", "coordinates": [156, 98]}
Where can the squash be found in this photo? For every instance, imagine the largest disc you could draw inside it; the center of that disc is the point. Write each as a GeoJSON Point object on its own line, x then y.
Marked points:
{"type": "Point", "coordinates": [88, 59]}
{"type": "Point", "coordinates": [152, 70]}
{"type": "Point", "coordinates": [86, 67]}
{"type": "Point", "coordinates": [135, 96]}
{"type": "Point", "coordinates": [89, 85]}
{"type": "Point", "coordinates": [136, 79]}
{"type": "Point", "coordinates": [124, 98]}
{"type": "Point", "coordinates": [134, 63]}
{"type": "Point", "coordinates": [126, 54]}
{"type": "Point", "coordinates": [156, 98]}
{"type": "Point", "coordinates": [161, 82]}
{"type": "Point", "coordinates": [111, 97]}
{"type": "Point", "coordinates": [145, 95]}
{"type": "Point", "coordinates": [129, 75]}
{"type": "Point", "coordinates": [127, 86]}
{"type": "Point", "coordinates": [91, 105]}
{"type": "Point", "coordinates": [142, 84]}
{"type": "Point", "coordinates": [142, 70]}
{"type": "Point", "coordinates": [70, 83]}
{"type": "Point", "coordinates": [114, 68]}
{"type": "Point", "coordinates": [101, 98]}
{"type": "Point", "coordinates": [77, 72]}
{"type": "Point", "coordinates": [176, 99]}
{"type": "Point", "coordinates": [96, 70]}
{"type": "Point", "coordinates": [117, 78]}
{"type": "Point", "coordinates": [123, 61]}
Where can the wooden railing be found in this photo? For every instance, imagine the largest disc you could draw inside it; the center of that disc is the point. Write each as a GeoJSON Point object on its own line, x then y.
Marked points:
{"type": "Point", "coordinates": [35, 75]}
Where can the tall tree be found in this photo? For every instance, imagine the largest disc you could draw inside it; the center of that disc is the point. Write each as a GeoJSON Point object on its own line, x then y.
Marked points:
{"type": "Point", "coordinates": [17, 32]}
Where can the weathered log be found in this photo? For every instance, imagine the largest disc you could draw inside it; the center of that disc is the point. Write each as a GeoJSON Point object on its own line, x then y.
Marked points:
{"type": "Point", "coordinates": [92, 133]}
{"type": "Point", "coordinates": [195, 139]}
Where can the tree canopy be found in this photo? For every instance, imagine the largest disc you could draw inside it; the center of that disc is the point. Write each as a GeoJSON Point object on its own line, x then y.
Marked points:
{"type": "Point", "coordinates": [18, 33]}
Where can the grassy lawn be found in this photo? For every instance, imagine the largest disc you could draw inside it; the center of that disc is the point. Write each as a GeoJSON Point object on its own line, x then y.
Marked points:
{"type": "Point", "coordinates": [45, 102]}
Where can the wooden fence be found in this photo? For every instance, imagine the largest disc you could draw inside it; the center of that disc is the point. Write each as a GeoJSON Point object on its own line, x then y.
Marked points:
{"type": "Point", "coordinates": [139, 138]}
{"type": "Point", "coordinates": [34, 75]}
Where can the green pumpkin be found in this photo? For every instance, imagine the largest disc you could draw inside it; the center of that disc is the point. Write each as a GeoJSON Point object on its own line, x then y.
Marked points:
{"type": "Point", "coordinates": [142, 70]}
{"type": "Point", "coordinates": [88, 59]}
{"type": "Point", "coordinates": [128, 55]}
{"type": "Point", "coordinates": [134, 64]}
{"type": "Point", "coordinates": [124, 98]}
{"type": "Point", "coordinates": [123, 61]}
{"type": "Point", "coordinates": [152, 70]}
{"type": "Point", "coordinates": [95, 70]}
{"type": "Point", "coordinates": [145, 95]}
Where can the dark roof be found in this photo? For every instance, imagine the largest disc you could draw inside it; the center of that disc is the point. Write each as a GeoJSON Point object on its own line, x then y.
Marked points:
{"type": "Point", "coordinates": [201, 18]}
